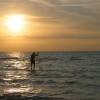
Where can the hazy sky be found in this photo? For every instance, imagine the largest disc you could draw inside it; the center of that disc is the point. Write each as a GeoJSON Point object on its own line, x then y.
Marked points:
{"type": "Point", "coordinates": [53, 25]}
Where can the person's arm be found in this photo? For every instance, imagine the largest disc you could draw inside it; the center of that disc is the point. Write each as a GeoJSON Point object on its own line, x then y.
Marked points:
{"type": "Point", "coordinates": [37, 54]}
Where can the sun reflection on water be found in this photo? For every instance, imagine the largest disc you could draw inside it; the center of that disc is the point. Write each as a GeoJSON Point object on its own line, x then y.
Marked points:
{"type": "Point", "coordinates": [22, 90]}
{"type": "Point", "coordinates": [16, 90]}
{"type": "Point", "coordinates": [17, 77]}
{"type": "Point", "coordinates": [15, 54]}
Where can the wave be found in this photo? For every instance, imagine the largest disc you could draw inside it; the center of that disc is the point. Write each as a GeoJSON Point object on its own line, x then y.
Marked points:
{"type": "Point", "coordinates": [75, 58]}
{"type": "Point", "coordinates": [50, 59]}
{"type": "Point", "coordinates": [71, 82]}
{"type": "Point", "coordinates": [10, 58]}
{"type": "Point", "coordinates": [19, 97]}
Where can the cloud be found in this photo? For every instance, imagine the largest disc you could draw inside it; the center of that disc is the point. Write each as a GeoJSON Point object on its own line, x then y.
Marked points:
{"type": "Point", "coordinates": [79, 19]}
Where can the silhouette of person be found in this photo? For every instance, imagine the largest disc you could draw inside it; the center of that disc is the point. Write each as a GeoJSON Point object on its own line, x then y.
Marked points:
{"type": "Point", "coordinates": [32, 60]}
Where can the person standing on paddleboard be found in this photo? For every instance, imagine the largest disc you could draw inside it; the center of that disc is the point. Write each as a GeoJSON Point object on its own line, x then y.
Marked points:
{"type": "Point", "coordinates": [32, 60]}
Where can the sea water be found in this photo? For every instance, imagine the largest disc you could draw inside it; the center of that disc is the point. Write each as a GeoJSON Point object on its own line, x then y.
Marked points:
{"type": "Point", "coordinates": [68, 75]}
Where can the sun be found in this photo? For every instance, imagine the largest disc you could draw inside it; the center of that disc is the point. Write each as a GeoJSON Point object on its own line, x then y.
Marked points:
{"type": "Point", "coordinates": [15, 23]}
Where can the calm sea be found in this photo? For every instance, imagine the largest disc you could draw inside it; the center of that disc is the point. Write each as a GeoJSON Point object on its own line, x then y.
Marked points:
{"type": "Point", "coordinates": [70, 75]}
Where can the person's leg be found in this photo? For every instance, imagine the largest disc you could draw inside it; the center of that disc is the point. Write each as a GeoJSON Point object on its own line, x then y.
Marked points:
{"type": "Point", "coordinates": [34, 65]}
{"type": "Point", "coordinates": [31, 66]}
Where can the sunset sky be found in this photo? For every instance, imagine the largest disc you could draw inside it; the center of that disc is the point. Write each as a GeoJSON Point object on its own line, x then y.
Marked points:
{"type": "Point", "coordinates": [51, 25]}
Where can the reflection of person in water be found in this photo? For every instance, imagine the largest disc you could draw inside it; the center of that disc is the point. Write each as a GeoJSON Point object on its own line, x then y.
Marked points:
{"type": "Point", "coordinates": [32, 60]}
